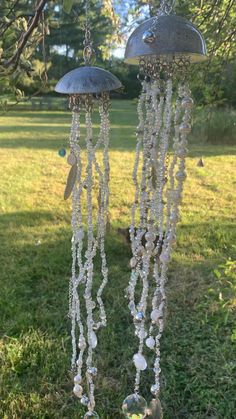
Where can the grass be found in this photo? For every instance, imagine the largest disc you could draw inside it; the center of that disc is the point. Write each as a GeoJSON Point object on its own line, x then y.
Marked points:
{"type": "Point", "coordinates": [198, 347]}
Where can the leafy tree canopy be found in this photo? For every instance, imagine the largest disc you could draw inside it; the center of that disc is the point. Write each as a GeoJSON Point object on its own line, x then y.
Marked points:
{"type": "Point", "coordinates": [41, 39]}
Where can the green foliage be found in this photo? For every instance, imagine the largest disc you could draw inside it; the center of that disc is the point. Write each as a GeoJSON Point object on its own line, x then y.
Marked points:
{"type": "Point", "coordinates": [198, 346]}
{"type": "Point", "coordinates": [215, 126]}
{"type": "Point", "coordinates": [67, 5]}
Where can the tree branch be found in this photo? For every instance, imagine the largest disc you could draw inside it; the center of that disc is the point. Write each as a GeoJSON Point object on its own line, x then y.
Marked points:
{"type": "Point", "coordinates": [34, 23]}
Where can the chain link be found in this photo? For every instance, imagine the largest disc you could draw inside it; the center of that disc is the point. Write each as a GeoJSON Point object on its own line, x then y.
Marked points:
{"type": "Point", "coordinates": [88, 43]}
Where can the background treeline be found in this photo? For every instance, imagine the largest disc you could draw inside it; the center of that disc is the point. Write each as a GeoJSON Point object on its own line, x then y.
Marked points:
{"type": "Point", "coordinates": [55, 46]}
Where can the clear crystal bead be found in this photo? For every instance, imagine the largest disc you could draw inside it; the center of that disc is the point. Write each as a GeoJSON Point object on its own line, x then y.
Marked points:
{"type": "Point", "coordinates": [134, 407]}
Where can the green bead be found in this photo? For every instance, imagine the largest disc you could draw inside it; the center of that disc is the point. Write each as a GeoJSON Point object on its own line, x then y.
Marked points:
{"type": "Point", "coordinates": [62, 152]}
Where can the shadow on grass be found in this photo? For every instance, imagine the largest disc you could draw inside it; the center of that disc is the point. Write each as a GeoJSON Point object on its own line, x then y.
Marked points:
{"type": "Point", "coordinates": [197, 353]}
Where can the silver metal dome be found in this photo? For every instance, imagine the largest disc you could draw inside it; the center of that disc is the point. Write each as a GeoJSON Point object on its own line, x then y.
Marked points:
{"type": "Point", "coordinates": [169, 35]}
{"type": "Point", "coordinates": [87, 79]}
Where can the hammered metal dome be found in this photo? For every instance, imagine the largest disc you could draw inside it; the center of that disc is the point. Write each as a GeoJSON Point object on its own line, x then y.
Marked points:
{"type": "Point", "coordinates": [172, 35]}
{"type": "Point", "coordinates": [87, 79]}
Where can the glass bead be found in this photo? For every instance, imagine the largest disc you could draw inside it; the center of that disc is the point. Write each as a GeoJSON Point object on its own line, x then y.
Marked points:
{"type": "Point", "coordinates": [78, 390]}
{"type": "Point", "coordinates": [84, 400]}
{"type": "Point", "coordinates": [164, 257]}
{"type": "Point", "coordinates": [139, 316]}
{"type": "Point", "coordinates": [187, 103]}
{"type": "Point", "coordinates": [62, 152]}
{"type": "Point", "coordinates": [142, 334]}
{"type": "Point", "coordinates": [92, 371]}
{"type": "Point", "coordinates": [134, 407]}
{"type": "Point", "coordinates": [155, 315]}
{"type": "Point", "coordinates": [133, 262]}
{"type": "Point", "coordinates": [154, 389]}
{"type": "Point", "coordinates": [94, 340]}
{"type": "Point", "coordinates": [140, 362]}
{"type": "Point", "coordinates": [155, 411]}
{"type": "Point", "coordinates": [91, 415]}
{"type": "Point", "coordinates": [82, 343]}
{"type": "Point", "coordinates": [150, 342]}
{"type": "Point", "coordinates": [77, 379]}
{"type": "Point", "coordinates": [149, 236]}
{"type": "Point", "coordinates": [181, 175]}
{"type": "Point", "coordinates": [185, 128]}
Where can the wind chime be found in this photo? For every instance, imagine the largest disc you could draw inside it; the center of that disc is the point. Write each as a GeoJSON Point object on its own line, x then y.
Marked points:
{"type": "Point", "coordinates": [88, 182]}
{"type": "Point", "coordinates": [163, 47]}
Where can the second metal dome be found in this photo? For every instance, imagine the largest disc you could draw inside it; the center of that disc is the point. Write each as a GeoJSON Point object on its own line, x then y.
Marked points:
{"type": "Point", "coordinates": [87, 79]}
{"type": "Point", "coordinates": [166, 35]}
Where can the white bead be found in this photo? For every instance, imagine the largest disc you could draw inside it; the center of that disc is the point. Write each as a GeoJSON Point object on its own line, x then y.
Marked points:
{"type": "Point", "coordinates": [150, 342]}
{"type": "Point", "coordinates": [140, 362]}
{"type": "Point", "coordinates": [93, 339]}
{"type": "Point", "coordinates": [82, 343]}
{"type": "Point", "coordinates": [149, 246]}
{"type": "Point", "coordinates": [77, 379]}
{"type": "Point", "coordinates": [164, 257]}
{"type": "Point", "coordinates": [155, 315]}
{"type": "Point", "coordinates": [133, 262]}
{"type": "Point", "coordinates": [78, 390]}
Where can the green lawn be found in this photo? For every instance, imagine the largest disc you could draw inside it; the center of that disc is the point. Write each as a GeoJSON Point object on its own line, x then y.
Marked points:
{"type": "Point", "coordinates": [198, 347]}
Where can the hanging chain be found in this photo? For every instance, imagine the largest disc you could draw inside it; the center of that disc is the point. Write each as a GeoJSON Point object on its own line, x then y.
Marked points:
{"type": "Point", "coordinates": [88, 43]}
{"type": "Point", "coordinates": [166, 7]}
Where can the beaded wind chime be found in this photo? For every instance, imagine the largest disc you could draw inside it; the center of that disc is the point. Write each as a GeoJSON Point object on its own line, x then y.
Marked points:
{"type": "Point", "coordinates": [88, 182]}
{"type": "Point", "coordinates": [163, 47]}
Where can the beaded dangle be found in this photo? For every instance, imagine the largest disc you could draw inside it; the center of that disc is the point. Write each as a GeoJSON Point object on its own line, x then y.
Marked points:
{"type": "Point", "coordinates": [88, 183]}
{"type": "Point", "coordinates": [164, 112]}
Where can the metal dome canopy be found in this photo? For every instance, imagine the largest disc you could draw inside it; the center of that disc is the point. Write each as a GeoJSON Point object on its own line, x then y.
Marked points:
{"type": "Point", "coordinates": [168, 35]}
{"type": "Point", "coordinates": [87, 79]}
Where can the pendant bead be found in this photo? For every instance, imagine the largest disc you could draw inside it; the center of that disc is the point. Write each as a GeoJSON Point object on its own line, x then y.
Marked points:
{"type": "Point", "coordinates": [134, 407]}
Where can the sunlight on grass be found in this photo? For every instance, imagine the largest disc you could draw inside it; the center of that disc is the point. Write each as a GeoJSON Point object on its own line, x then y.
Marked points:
{"type": "Point", "coordinates": [198, 360]}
